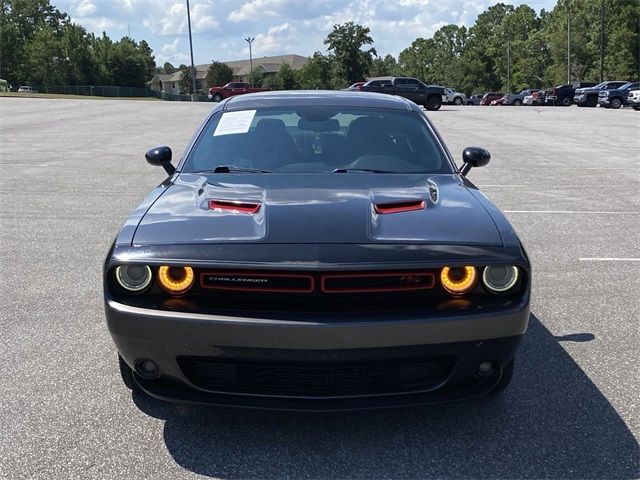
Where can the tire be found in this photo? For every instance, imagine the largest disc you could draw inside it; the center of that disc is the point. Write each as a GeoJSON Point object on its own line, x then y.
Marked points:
{"type": "Point", "coordinates": [566, 102]}
{"type": "Point", "coordinates": [505, 380]}
{"type": "Point", "coordinates": [127, 375]}
{"type": "Point", "coordinates": [517, 102]}
{"type": "Point", "coordinates": [434, 102]}
{"type": "Point", "coordinates": [217, 97]}
{"type": "Point", "coordinates": [636, 108]}
{"type": "Point", "coordinates": [592, 101]}
{"type": "Point", "coordinates": [616, 103]}
{"type": "Point", "coordinates": [457, 101]}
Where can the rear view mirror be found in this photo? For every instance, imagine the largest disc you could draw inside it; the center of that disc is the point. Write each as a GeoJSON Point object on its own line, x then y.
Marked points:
{"type": "Point", "coordinates": [474, 157]}
{"type": "Point", "coordinates": [161, 157]}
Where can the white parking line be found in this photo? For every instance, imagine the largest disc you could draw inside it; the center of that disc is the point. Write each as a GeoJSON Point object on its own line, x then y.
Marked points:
{"type": "Point", "coordinates": [608, 259]}
{"type": "Point", "coordinates": [581, 212]}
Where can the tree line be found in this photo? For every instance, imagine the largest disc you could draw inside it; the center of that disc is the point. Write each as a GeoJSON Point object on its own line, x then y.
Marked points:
{"type": "Point", "coordinates": [507, 48]}
{"type": "Point", "coordinates": [39, 45]}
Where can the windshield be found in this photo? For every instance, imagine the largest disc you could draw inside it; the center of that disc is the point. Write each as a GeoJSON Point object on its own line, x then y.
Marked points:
{"type": "Point", "coordinates": [318, 139]}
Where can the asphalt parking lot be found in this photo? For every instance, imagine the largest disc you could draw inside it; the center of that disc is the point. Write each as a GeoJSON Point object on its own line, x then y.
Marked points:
{"type": "Point", "coordinates": [566, 177]}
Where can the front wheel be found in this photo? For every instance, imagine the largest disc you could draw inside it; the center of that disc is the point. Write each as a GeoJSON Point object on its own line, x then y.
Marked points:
{"type": "Point", "coordinates": [517, 102]}
{"type": "Point", "coordinates": [616, 103]}
{"type": "Point", "coordinates": [457, 101]}
{"type": "Point", "coordinates": [434, 102]}
{"type": "Point", "coordinates": [592, 101]}
{"type": "Point", "coordinates": [217, 97]}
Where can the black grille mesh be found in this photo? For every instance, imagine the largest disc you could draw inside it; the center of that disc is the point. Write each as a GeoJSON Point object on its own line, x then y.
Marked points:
{"type": "Point", "coordinates": [317, 379]}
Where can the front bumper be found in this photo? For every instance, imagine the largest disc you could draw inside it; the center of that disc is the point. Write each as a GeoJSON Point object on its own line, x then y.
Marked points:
{"type": "Point", "coordinates": [168, 338]}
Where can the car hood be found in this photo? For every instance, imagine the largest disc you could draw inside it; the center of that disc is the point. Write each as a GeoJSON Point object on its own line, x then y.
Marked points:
{"type": "Point", "coordinates": [319, 209]}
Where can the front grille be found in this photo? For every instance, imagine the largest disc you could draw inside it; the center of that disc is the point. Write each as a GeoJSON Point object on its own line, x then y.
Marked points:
{"type": "Point", "coordinates": [328, 283]}
{"type": "Point", "coordinates": [297, 379]}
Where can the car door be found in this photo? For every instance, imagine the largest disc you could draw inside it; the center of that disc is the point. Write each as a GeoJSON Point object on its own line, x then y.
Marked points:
{"type": "Point", "coordinates": [412, 89]}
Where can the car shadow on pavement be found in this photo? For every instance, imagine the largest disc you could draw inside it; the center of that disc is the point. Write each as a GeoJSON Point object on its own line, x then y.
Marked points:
{"type": "Point", "coordinates": [552, 422]}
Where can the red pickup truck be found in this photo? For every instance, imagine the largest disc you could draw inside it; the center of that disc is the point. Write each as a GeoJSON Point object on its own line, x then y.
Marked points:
{"type": "Point", "coordinates": [218, 94]}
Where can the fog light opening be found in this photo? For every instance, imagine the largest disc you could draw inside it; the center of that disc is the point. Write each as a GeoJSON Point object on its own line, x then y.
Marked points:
{"type": "Point", "coordinates": [486, 369]}
{"type": "Point", "coordinates": [147, 368]}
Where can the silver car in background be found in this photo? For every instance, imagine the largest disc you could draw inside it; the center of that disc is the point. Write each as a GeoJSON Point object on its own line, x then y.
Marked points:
{"type": "Point", "coordinates": [517, 99]}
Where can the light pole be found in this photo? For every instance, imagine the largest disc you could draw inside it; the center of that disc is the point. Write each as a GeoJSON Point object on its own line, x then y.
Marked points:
{"type": "Point", "coordinates": [193, 68]}
{"type": "Point", "coordinates": [250, 40]}
{"type": "Point", "coordinates": [568, 41]}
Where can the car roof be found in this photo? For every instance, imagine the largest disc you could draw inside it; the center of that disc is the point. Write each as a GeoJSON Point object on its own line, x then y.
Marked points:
{"type": "Point", "coordinates": [326, 98]}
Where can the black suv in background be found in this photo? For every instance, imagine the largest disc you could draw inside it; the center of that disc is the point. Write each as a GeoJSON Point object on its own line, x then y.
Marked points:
{"type": "Point", "coordinates": [618, 97]}
{"type": "Point", "coordinates": [430, 96]}
{"type": "Point", "coordinates": [588, 97]}
{"type": "Point", "coordinates": [563, 94]}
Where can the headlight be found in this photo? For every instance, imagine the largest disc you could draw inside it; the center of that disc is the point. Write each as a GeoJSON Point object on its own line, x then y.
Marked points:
{"type": "Point", "coordinates": [175, 280]}
{"type": "Point", "coordinates": [458, 280]}
{"type": "Point", "coordinates": [133, 278]}
{"type": "Point", "coordinates": [500, 279]}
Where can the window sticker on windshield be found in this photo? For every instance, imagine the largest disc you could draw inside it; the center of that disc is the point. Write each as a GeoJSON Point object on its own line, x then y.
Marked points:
{"type": "Point", "coordinates": [234, 122]}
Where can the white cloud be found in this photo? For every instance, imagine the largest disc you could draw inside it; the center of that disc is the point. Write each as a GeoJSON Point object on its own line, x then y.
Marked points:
{"type": "Point", "coordinates": [173, 53]}
{"type": "Point", "coordinates": [201, 18]}
{"type": "Point", "coordinates": [278, 39]}
{"type": "Point", "coordinates": [174, 19]}
{"type": "Point", "coordinates": [256, 9]}
{"type": "Point", "coordinates": [85, 8]}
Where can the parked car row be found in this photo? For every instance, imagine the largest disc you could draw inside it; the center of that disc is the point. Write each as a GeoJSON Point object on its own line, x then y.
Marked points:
{"type": "Point", "coordinates": [612, 94]}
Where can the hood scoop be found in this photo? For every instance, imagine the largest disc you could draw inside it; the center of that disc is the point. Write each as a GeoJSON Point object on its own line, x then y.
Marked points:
{"type": "Point", "coordinates": [399, 207]}
{"type": "Point", "coordinates": [234, 206]}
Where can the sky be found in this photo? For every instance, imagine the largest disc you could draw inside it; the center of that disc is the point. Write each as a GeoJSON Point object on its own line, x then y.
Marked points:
{"type": "Point", "coordinates": [280, 27]}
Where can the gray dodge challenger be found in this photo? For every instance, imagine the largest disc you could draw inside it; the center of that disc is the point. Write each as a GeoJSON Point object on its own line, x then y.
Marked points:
{"type": "Point", "coordinates": [316, 251]}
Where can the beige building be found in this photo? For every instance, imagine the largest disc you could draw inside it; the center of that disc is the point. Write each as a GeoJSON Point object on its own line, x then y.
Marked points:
{"type": "Point", "coordinates": [170, 82]}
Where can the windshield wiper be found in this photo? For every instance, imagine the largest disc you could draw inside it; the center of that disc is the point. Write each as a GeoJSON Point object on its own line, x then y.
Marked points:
{"type": "Point", "coordinates": [232, 169]}
{"type": "Point", "coordinates": [364, 170]}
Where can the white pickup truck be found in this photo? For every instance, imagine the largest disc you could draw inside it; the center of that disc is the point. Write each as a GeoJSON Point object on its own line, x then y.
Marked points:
{"type": "Point", "coordinates": [454, 97]}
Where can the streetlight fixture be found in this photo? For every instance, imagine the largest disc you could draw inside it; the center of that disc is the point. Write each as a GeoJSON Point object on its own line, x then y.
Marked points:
{"type": "Point", "coordinates": [193, 68]}
{"type": "Point", "coordinates": [250, 40]}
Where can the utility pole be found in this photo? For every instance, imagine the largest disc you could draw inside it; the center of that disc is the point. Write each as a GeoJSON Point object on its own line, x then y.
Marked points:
{"type": "Point", "coordinates": [601, 41]}
{"type": "Point", "coordinates": [193, 68]}
{"type": "Point", "coordinates": [568, 41]}
{"type": "Point", "coordinates": [250, 40]}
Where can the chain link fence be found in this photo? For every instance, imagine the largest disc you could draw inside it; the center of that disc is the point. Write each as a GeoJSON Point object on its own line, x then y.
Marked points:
{"type": "Point", "coordinates": [115, 91]}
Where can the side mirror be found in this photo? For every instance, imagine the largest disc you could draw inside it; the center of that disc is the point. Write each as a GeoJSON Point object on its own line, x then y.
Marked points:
{"type": "Point", "coordinates": [474, 157]}
{"type": "Point", "coordinates": [161, 157]}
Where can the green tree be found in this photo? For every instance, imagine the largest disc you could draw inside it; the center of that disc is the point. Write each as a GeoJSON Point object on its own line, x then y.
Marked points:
{"type": "Point", "coordinates": [130, 65]}
{"type": "Point", "coordinates": [417, 59]}
{"type": "Point", "coordinates": [345, 42]}
{"type": "Point", "coordinates": [316, 73]}
{"type": "Point", "coordinates": [168, 68]}
{"type": "Point", "coordinates": [285, 79]}
{"type": "Point", "coordinates": [388, 65]}
{"type": "Point", "coordinates": [218, 74]}
{"type": "Point", "coordinates": [256, 77]}
{"type": "Point", "coordinates": [42, 58]}
{"type": "Point", "coordinates": [20, 21]}
{"type": "Point", "coordinates": [185, 84]}
{"type": "Point", "coordinates": [485, 47]}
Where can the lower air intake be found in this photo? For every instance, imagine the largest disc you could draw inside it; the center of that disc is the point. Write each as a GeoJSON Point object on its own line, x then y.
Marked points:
{"type": "Point", "coordinates": [315, 380]}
